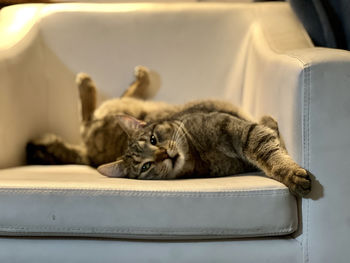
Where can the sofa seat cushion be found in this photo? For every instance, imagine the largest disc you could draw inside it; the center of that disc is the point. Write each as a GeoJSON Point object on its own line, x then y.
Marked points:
{"type": "Point", "coordinates": [75, 200]}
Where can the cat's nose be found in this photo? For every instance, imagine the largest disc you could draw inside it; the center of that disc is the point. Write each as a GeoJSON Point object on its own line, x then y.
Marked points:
{"type": "Point", "coordinates": [160, 155]}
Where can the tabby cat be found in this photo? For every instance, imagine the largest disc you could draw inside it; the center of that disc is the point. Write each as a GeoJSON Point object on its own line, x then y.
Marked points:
{"type": "Point", "coordinates": [202, 143]}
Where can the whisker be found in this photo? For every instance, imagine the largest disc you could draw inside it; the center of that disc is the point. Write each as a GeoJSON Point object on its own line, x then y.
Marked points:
{"type": "Point", "coordinates": [175, 137]}
{"type": "Point", "coordinates": [189, 136]}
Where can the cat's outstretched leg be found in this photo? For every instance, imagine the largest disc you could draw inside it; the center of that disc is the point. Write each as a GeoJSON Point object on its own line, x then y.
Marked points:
{"type": "Point", "coordinates": [50, 149]}
{"type": "Point", "coordinates": [262, 147]}
{"type": "Point", "coordinates": [139, 89]}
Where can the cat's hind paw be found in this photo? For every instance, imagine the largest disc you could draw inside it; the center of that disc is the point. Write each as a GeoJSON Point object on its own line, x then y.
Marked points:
{"type": "Point", "coordinates": [50, 149]}
{"type": "Point", "coordinates": [41, 150]}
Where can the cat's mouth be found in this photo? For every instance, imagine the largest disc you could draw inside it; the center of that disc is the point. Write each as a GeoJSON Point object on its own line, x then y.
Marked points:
{"type": "Point", "coordinates": [174, 159]}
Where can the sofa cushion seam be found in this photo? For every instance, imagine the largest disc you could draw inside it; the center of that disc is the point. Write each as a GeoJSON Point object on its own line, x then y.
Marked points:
{"type": "Point", "coordinates": [139, 230]}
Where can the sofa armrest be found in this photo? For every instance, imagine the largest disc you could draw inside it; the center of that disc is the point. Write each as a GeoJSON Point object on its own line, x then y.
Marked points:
{"type": "Point", "coordinates": [326, 148]}
{"type": "Point", "coordinates": [20, 64]}
{"type": "Point", "coordinates": [31, 100]}
{"type": "Point", "coordinates": [307, 90]}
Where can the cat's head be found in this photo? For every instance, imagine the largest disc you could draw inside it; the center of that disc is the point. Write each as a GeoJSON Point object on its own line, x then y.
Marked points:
{"type": "Point", "coordinates": [155, 151]}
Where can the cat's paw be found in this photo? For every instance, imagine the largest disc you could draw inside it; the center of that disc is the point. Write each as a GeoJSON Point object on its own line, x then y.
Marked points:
{"type": "Point", "coordinates": [50, 149]}
{"type": "Point", "coordinates": [297, 179]}
{"type": "Point", "coordinates": [38, 151]}
{"type": "Point", "coordinates": [141, 72]}
{"type": "Point", "coordinates": [82, 78]}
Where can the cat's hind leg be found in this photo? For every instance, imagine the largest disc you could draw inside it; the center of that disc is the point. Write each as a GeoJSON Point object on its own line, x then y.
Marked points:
{"type": "Point", "coordinates": [50, 149]}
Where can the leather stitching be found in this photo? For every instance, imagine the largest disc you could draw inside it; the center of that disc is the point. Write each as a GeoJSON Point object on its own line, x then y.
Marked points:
{"type": "Point", "coordinates": [140, 231]}
{"type": "Point", "coordinates": [306, 149]}
{"type": "Point", "coordinates": [79, 192]}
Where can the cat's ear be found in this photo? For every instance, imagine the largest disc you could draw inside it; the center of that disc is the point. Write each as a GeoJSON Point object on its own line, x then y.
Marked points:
{"type": "Point", "coordinates": [130, 124]}
{"type": "Point", "coordinates": [114, 169]}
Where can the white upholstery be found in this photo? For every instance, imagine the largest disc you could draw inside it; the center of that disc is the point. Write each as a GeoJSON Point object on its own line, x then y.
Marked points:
{"type": "Point", "coordinates": [255, 55]}
{"type": "Point", "coordinates": [78, 201]}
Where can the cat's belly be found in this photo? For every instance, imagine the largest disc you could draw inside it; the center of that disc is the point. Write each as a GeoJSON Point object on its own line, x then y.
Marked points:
{"type": "Point", "coordinates": [217, 164]}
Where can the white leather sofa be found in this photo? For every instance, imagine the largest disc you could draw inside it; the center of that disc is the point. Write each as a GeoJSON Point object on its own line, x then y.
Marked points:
{"type": "Point", "coordinates": [256, 55]}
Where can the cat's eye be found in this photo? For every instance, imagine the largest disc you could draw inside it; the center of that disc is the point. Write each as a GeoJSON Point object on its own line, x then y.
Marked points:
{"type": "Point", "coordinates": [145, 167]}
{"type": "Point", "coordinates": [153, 140]}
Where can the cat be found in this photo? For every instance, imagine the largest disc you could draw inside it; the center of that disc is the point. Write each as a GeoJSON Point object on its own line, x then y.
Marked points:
{"type": "Point", "coordinates": [200, 142]}
{"type": "Point", "coordinates": [102, 138]}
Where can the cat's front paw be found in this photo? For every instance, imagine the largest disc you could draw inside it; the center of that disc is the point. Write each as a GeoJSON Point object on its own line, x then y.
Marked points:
{"type": "Point", "coordinates": [82, 78]}
{"type": "Point", "coordinates": [297, 179]}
